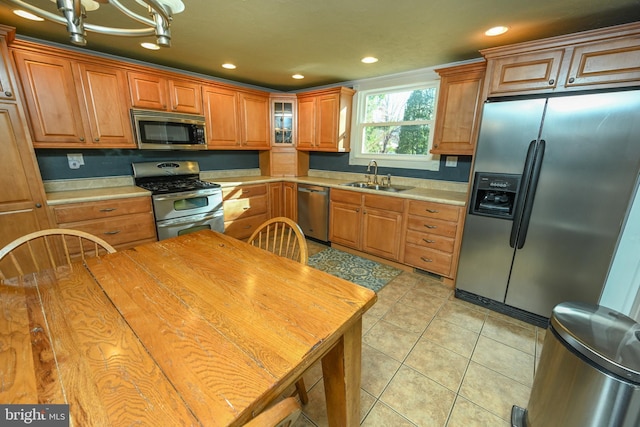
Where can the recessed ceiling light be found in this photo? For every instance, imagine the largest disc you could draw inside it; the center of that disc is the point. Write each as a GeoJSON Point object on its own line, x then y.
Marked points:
{"type": "Point", "coordinates": [298, 76]}
{"type": "Point", "coordinates": [369, 59]}
{"type": "Point", "coordinates": [496, 31]}
{"type": "Point", "coordinates": [150, 46]}
{"type": "Point", "coordinates": [229, 66]}
{"type": "Point", "coordinates": [27, 15]}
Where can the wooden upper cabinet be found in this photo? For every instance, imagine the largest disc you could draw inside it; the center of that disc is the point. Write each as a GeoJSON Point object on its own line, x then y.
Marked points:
{"type": "Point", "coordinates": [74, 104]}
{"type": "Point", "coordinates": [597, 59]}
{"type": "Point", "coordinates": [6, 88]}
{"type": "Point", "coordinates": [459, 107]}
{"type": "Point", "coordinates": [324, 120]}
{"type": "Point", "coordinates": [104, 96]}
{"type": "Point", "coordinates": [158, 92]}
{"type": "Point", "coordinates": [254, 118]}
{"type": "Point", "coordinates": [236, 120]}
{"type": "Point", "coordinates": [611, 61]}
{"type": "Point", "coordinates": [148, 91]}
{"type": "Point", "coordinates": [221, 115]}
{"type": "Point", "coordinates": [185, 96]}
{"type": "Point", "coordinates": [51, 99]}
{"type": "Point", "coordinates": [526, 72]}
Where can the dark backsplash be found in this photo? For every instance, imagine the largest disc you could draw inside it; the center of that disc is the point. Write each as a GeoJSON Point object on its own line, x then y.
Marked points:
{"type": "Point", "coordinates": [104, 163]}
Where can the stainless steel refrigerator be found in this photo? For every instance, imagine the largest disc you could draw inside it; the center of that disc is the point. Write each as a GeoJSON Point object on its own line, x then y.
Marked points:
{"type": "Point", "coordinates": [551, 183]}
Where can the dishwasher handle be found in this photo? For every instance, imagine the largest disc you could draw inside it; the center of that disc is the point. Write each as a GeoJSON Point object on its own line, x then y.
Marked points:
{"type": "Point", "coordinates": [321, 190]}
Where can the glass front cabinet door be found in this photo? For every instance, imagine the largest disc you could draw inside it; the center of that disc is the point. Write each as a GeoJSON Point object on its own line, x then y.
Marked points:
{"type": "Point", "coordinates": [284, 119]}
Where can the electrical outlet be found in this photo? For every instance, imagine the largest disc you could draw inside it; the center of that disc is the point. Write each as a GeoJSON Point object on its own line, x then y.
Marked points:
{"type": "Point", "coordinates": [451, 162]}
{"type": "Point", "coordinates": [75, 161]}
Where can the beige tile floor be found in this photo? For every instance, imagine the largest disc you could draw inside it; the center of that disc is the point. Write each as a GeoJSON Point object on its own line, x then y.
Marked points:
{"type": "Point", "coordinates": [429, 359]}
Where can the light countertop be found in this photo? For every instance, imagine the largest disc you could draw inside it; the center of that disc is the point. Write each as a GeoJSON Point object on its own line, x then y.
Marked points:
{"type": "Point", "coordinates": [86, 190]}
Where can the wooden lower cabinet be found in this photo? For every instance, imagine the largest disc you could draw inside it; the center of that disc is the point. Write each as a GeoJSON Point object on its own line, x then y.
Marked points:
{"type": "Point", "coordinates": [367, 222]}
{"type": "Point", "coordinates": [245, 208]}
{"type": "Point", "coordinates": [432, 237]}
{"type": "Point", "coordinates": [290, 200]}
{"type": "Point", "coordinates": [123, 223]}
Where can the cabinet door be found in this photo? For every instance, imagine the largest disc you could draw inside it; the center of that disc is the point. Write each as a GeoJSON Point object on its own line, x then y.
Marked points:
{"type": "Point", "coordinates": [185, 97]}
{"type": "Point", "coordinates": [254, 117]}
{"type": "Point", "coordinates": [107, 105]}
{"type": "Point", "coordinates": [327, 121]}
{"type": "Point", "coordinates": [536, 71]}
{"type": "Point", "coordinates": [306, 123]}
{"type": "Point", "coordinates": [459, 104]}
{"type": "Point", "coordinates": [221, 115]}
{"type": "Point", "coordinates": [275, 199]}
{"type": "Point", "coordinates": [382, 231]}
{"type": "Point", "coordinates": [612, 61]}
{"type": "Point", "coordinates": [51, 99]}
{"type": "Point", "coordinates": [290, 200]}
{"type": "Point", "coordinates": [346, 224]}
{"type": "Point", "coordinates": [6, 88]}
{"type": "Point", "coordinates": [148, 91]}
{"type": "Point", "coordinates": [22, 203]}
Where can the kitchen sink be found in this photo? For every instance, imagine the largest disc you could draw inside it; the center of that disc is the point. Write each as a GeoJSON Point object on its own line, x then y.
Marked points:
{"type": "Point", "coordinates": [369, 186]}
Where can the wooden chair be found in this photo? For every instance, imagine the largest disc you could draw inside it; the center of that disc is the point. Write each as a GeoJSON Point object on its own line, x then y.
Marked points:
{"type": "Point", "coordinates": [283, 237]}
{"type": "Point", "coordinates": [50, 249]}
{"type": "Point", "coordinates": [282, 414]}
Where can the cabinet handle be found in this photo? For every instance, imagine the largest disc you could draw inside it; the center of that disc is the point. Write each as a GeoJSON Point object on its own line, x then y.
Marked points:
{"type": "Point", "coordinates": [429, 241]}
{"type": "Point", "coordinates": [108, 209]}
{"type": "Point", "coordinates": [571, 80]}
{"type": "Point", "coordinates": [431, 226]}
{"type": "Point", "coordinates": [426, 259]}
{"type": "Point", "coordinates": [245, 208]}
{"type": "Point", "coordinates": [8, 93]}
{"type": "Point", "coordinates": [246, 191]}
{"type": "Point", "coordinates": [96, 139]}
{"type": "Point", "coordinates": [551, 82]}
{"type": "Point", "coordinates": [111, 232]}
{"type": "Point", "coordinates": [432, 210]}
{"type": "Point", "coordinates": [81, 139]}
{"type": "Point", "coordinates": [246, 227]}
{"type": "Point", "coordinates": [357, 209]}
{"type": "Point", "coordinates": [38, 205]}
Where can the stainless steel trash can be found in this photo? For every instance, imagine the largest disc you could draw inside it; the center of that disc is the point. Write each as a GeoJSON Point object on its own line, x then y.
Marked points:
{"type": "Point", "coordinates": [589, 371]}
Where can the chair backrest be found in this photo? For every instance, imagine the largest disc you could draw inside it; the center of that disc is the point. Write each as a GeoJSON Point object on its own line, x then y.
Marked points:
{"type": "Point", "coordinates": [283, 237]}
{"type": "Point", "coordinates": [282, 414]}
{"type": "Point", "coordinates": [49, 249]}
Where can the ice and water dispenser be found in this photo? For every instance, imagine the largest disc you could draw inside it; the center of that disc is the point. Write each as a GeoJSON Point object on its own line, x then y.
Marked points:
{"type": "Point", "coordinates": [494, 194]}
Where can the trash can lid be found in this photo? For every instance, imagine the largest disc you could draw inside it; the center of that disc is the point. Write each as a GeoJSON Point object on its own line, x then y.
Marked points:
{"type": "Point", "coordinates": [609, 339]}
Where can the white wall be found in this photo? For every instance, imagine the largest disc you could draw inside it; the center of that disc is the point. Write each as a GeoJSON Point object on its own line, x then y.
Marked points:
{"type": "Point", "coordinates": [622, 288]}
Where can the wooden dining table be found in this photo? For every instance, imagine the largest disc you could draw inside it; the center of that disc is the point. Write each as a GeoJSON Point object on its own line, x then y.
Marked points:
{"type": "Point", "coordinates": [201, 329]}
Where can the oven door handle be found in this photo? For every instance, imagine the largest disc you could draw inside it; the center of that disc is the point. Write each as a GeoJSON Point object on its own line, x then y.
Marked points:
{"type": "Point", "coordinates": [177, 196]}
{"type": "Point", "coordinates": [191, 219]}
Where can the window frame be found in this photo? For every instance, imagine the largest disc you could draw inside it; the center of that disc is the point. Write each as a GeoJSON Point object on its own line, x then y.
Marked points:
{"type": "Point", "coordinates": [421, 79]}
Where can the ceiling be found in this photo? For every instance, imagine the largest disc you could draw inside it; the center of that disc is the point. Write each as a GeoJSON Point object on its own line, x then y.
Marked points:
{"type": "Point", "coordinates": [269, 40]}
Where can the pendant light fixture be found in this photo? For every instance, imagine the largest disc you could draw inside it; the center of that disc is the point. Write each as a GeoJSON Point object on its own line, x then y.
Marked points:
{"type": "Point", "coordinates": [74, 12]}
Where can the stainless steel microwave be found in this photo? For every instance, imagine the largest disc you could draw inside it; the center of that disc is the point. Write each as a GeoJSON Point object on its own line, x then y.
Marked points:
{"type": "Point", "coordinates": [159, 130]}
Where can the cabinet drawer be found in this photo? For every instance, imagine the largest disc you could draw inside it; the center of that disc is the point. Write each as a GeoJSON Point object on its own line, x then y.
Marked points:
{"type": "Point", "coordinates": [105, 209]}
{"type": "Point", "coordinates": [428, 259]}
{"type": "Point", "coordinates": [432, 226]}
{"type": "Point", "coordinates": [384, 202]}
{"type": "Point", "coordinates": [118, 231]}
{"type": "Point", "coordinates": [243, 228]}
{"type": "Point", "coordinates": [351, 197]}
{"type": "Point", "coordinates": [434, 210]}
{"type": "Point", "coordinates": [244, 192]}
{"type": "Point", "coordinates": [431, 241]}
{"type": "Point", "coordinates": [245, 207]}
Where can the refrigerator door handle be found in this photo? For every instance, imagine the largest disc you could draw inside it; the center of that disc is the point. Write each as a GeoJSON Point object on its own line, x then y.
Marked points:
{"type": "Point", "coordinates": [522, 193]}
{"type": "Point", "coordinates": [531, 193]}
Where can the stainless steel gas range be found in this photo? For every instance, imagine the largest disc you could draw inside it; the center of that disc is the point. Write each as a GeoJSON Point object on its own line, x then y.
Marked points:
{"type": "Point", "coordinates": [182, 203]}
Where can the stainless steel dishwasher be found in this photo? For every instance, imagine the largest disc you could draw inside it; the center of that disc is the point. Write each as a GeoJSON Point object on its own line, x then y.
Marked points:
{"type": "Point", "coordinates": [313, 211]}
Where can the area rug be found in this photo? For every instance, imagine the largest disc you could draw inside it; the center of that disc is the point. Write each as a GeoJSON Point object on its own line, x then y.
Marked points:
{"type": "Point", "coordinates": [361, 271]}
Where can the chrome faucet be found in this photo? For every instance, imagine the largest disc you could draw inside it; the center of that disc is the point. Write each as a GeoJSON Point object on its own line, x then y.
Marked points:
{"type": "Point", "coordinates": [375, 171]}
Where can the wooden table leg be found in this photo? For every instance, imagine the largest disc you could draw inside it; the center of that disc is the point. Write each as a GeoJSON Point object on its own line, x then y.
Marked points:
{"type": "Point", "coordinates": [341, 369]}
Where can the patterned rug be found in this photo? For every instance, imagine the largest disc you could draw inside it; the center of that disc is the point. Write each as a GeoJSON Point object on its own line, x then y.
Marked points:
{"type": "Point", "coordinates": [364, 272]}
